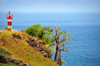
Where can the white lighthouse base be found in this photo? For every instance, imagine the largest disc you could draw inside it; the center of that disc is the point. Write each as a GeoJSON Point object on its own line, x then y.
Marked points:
{"type": "Point", "coordinates": [9, 27]}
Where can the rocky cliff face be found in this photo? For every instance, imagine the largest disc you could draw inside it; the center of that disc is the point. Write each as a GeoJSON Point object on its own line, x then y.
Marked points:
{"type": "Point", "coordinates": [36, 44]}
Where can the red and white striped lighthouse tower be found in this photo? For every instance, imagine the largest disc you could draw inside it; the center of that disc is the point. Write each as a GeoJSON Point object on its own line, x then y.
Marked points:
{"type": "Point", "coordinates": [9, 17]}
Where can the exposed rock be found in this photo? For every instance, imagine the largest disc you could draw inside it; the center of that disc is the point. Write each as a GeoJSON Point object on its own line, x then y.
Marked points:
{"type": "Point", "coordinates": [37, 45]}
{"type": "Point", "coordinates": [9, 60]}
{"type": "Point", "coordinates": [3, 50]}
{"type": "Point", "coordinates": [8, 53]}
{"type": "Point", "coordinates": [17, 62]}
{"type": "Point", "coordinates": [21, 64]}
{"type": "Point", "coordinates": [27, 41]}
{"type": "Point", "coordinates": [24, 65]}
{"type": "Point", "coordinates": [3, 60]}
{"type": "Point", "coordinates": [45, 55]}
{"type": "Point", "coordinates": [16, 36]}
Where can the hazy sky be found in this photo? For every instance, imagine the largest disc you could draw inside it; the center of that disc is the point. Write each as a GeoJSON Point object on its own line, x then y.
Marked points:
{"type": "Point", "coordinates": [50, 5]}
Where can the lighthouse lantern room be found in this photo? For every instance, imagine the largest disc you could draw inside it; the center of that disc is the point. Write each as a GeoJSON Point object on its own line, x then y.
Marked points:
{"type": "Point", "coordinates": [9, 17]}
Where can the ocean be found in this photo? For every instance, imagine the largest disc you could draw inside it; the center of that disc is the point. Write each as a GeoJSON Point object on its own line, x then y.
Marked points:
{"type": "Point", "coordinates": [83, 26]}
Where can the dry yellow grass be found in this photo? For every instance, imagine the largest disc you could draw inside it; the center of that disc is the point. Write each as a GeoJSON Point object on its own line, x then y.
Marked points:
{"type": "Point", "coordinates": [20, 50]}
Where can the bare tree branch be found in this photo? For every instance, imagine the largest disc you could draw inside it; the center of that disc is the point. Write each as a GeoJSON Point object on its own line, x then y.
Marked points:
{"type": "Point", "coordinates": [61, 33]}
{"type": "Point", "coordinates": [62, 40]}
{"type": "Point", "coordinates": [62, 49]}
{"type": "Point", "coordinates": [56, 30]}
{"type": "Point", "coordinates": [52, 35]}
{"type": "Point", "coordinates": [65, 36]}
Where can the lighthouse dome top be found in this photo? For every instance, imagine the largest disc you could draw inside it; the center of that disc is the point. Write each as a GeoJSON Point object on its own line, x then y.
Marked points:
{"type": "Point", "coordinates": [9, 16]}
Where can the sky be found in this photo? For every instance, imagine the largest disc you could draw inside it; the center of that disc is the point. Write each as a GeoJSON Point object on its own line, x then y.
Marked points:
{"type": "Point", "coordinates": [50, 5]}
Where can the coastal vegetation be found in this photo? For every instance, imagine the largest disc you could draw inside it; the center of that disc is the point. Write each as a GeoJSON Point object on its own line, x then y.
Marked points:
{"type": "Point", "coordinates": [21, 47]}
{"type": "Point", "coordinates": [51, 37]}
{"type": "Point", "coordinates": [33, 46]}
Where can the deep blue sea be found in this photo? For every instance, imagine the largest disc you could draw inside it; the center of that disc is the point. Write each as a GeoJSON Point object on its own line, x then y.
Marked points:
{"type": "Point", "coordinates": [83, 26]}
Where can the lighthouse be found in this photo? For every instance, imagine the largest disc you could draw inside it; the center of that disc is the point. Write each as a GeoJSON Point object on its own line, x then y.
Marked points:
{"type": "Point", "coordinates": [9, 17]}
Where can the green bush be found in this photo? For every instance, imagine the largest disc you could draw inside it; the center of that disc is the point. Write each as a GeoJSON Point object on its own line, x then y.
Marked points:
{"type": "Point", "coordinates": [35, 31]}
{"type": "Point", "coordinates": [40, 32]}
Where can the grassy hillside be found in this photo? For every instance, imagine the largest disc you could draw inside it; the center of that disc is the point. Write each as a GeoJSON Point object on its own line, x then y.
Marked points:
{"type": "Point", "coordinates": [21, 50]}
{"type": "Point", "coordinates": [4, 55]}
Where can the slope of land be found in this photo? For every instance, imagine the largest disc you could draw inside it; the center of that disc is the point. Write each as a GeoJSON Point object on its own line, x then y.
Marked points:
{"type": "Point", "coordinates": [7, 60]}
{"type": "Point", "coordinates": [22, 48]}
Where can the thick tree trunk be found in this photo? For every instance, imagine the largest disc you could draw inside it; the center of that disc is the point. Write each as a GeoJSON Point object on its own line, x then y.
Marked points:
{"type": "Point", "coordinates": [58, 54]}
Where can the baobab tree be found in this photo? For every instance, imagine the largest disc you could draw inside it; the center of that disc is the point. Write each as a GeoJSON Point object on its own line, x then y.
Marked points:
{"type": "Point", "coordinates": [60, 42]}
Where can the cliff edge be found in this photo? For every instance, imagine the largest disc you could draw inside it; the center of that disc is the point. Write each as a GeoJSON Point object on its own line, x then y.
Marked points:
{"type": "Point", "coordinates": [20, 49]}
